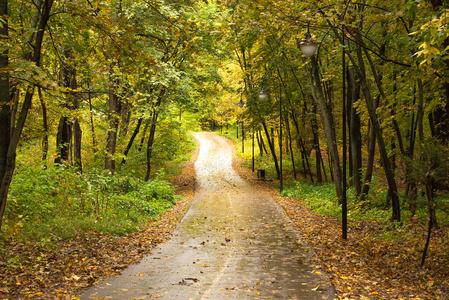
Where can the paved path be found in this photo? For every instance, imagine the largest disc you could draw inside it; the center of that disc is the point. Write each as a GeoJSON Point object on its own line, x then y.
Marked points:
{"type": "Point", "coordinates": [233, 243]}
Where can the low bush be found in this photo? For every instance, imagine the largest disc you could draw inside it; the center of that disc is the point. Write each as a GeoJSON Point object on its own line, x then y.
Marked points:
{"type": "Point", "coordinates": [59, 202]}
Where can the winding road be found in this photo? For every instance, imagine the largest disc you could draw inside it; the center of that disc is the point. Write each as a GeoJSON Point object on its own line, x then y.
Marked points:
{"type": "Point", "coordinates": [233, 243]}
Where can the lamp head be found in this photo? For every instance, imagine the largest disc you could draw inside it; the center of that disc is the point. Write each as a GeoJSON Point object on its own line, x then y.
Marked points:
{"type": "Point", "coordinates": [308, 46]}
{"type": "Point", "coordinates": [262, 94]}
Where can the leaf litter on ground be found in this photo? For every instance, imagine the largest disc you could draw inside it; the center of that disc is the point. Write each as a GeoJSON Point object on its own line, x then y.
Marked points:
{"type": "Point", "coordinates": [367, 266]}
{"type": "Point", "coordinates": [363, 267]}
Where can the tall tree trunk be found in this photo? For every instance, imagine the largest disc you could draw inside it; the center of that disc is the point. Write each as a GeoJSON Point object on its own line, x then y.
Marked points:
{"type": "Point", "coordinates": [44, 127]}
{"type": "Point", "coordinates": [144, 133]}
{"type": "Point", "coordinates": [259, 143]}
{"type": "Point", "coordinates": [327, 122]}
{"type": "Point", "coordinates": [5, 121]}
{"type": "Point", "coordinates": [91, 115]}
{"type": "Point", "coordinates": [113, 124]}
{"type": "Point", "coordinates": [125, 118]}
{"type": "Point", "coordinates": [302, 149]}
{"type": "Point", "coordinates": [152, 132]}
{"type": "Point", "coordinates": [131, 140]}
{"type": "Point", "coordinates": [370, 162]}
{"type": "Point", "coordinates": [64, 134]}
{"type": "Point", "coordinates": [432, 215]}
{"type": "Point", "coordinates": [150, 144]}
{"type": "Point", "coordinates": [396, 214]}
{"type": "Point", "coordinates": [77, 138]}
{"type": "Point", "coordinates": [63, 138]}
{"type": "Point", "coordinates": [441, 114]}
{"type": "Point", "coordinates": [316, 146]}
{"type": "Point", "coordinates": [76, 128]}
{"type": "Point", "coordinates": [355, 136]}
{"type": "Point", "coordinates": [8, 164]}
{"type": "Point", "coordinates": [273, 151]}
{"type": "Point", "coordinates": [289, 143]}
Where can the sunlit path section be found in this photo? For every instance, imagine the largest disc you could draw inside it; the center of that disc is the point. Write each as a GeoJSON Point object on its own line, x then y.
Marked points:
{"type": "Point", "coordinates": [233, 243]}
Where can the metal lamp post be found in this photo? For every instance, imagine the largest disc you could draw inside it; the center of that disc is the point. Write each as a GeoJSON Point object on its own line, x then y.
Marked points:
{"type": "Point", "coordinates": [308, 48]}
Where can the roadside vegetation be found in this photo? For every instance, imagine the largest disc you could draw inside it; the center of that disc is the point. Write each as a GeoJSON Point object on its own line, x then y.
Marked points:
{"type": "Point", "coordinates": [380, 259]}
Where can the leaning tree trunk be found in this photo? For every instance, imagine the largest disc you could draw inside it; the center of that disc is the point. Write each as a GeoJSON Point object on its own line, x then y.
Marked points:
{"type": "Point", "coordinates": [396, 214]}
{"type": "Point", "coordinates": [432, 217]}
{"type": "Point", "coordinates": [131, 140]}
{"type": "Point", "coordinates": [326, 119]}
{"type": "Point", "coordinates": [273, 152]}
{"type": "Point", "coordinates": [8, 161]}
{"type": "Point", "coordinates": [150, 145]}
{"type": "Point", "coordinates": [152, 132]}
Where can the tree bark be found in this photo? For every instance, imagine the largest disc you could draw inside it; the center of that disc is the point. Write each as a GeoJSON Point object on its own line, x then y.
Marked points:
{"type": "Point", "coordinates": [326, 119]}
{"type": "Point", "coordinates": [396, 214]}
{"type": "Point", "coordinates": [44, 127]}
{"type": "Point", "coordinates": [150, 144]}
{"type": "Point", "coordinates": [77, 138]}
{"type": "Point", "coordinates": [131, 140]}
{"type": "Point", "coordinates": [9, 162]}
{"type": "Point", "coordinates": [64, 134]}
{"type": "Point", "coordinates": [292, 156]}
{"type": "Point", "coordinates": [355, 136]}
{"type": "Point", "coordinates": [370, 162]}
{"type": "Point", "coordinates": [113, 124]}
{"type": "Point", "coordinates": [273, 151]}
{"type": "Point", "coordinates": [63, 138]}
{"type": "Point", "coordinates": [316, 146]}
{"type": "Point", "coordinates": [5, 121]}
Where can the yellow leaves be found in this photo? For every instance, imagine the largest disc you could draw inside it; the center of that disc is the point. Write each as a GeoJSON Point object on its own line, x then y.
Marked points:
{"type": "Point", "coordinates": [428, 51]}
{"type": "Point", "coordinates": [434, 32]}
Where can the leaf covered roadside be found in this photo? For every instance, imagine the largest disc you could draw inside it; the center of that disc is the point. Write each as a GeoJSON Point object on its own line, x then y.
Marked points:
{"type": "Point", "coordinates": [367, 265]}
{"type": "Point", "coordinates": [59, 269]}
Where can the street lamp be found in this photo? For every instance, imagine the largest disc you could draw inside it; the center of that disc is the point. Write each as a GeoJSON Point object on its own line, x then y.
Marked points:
{"type": "Point", "coordinates": [262, 94]}
{"type": "Point", "coordinates": [308, 48]}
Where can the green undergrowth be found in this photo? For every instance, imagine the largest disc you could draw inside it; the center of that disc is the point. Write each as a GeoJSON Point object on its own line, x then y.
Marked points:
{"type": "Point", "coordinates": [322, 198]}
{"type": "Point", "coordinates": [55, 202]}
{"type": "Point", "coordinates": [59, 203]}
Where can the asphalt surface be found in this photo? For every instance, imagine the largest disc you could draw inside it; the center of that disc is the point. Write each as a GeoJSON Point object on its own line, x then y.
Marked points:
{"type": "Point", "coordinates": [233, 243]}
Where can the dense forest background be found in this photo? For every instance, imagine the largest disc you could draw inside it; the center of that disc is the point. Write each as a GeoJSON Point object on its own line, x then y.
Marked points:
{"type": "Point", "coordinates": [98, 97]}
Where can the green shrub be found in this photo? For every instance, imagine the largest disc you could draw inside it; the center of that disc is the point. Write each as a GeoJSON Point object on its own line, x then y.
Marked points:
{"type": "Point", "coordinates": [59, 202]}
